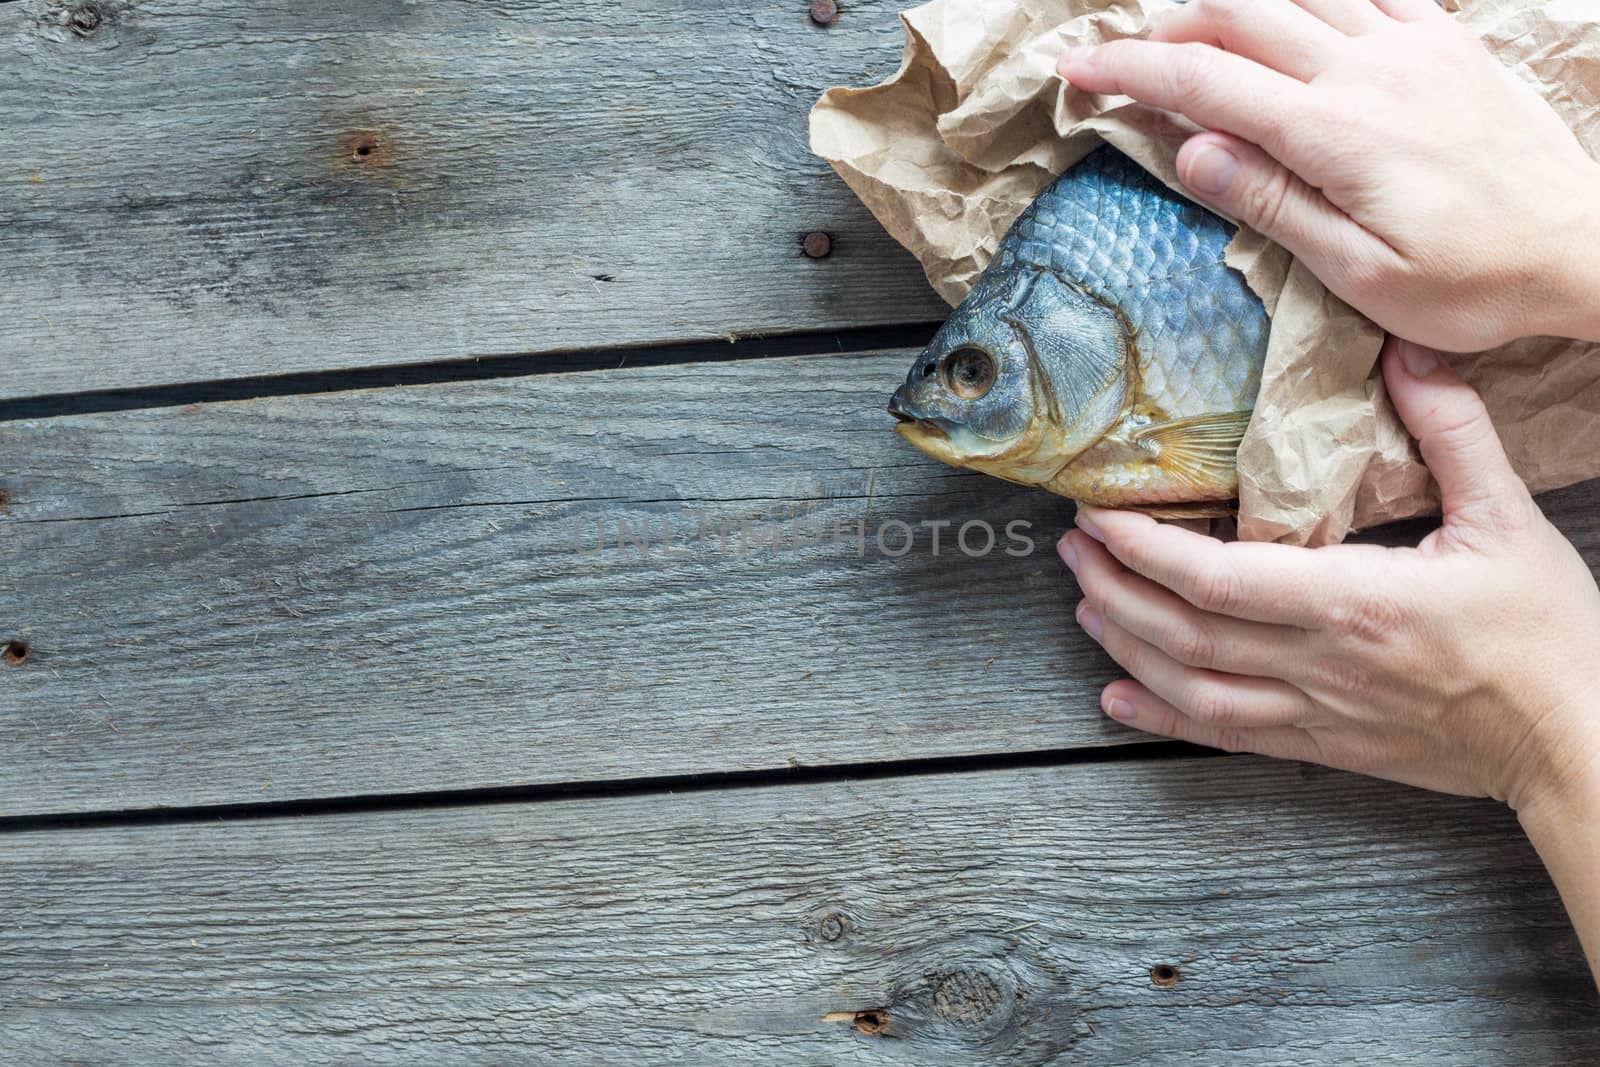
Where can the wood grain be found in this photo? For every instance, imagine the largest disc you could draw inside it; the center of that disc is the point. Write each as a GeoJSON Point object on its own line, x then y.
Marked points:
{"type": "Point", "coordinates": [1010, 916]}
{"type": "Point", "coordinates": [192, 194]}
{"type": "Point", "coordinates": [379, 592]}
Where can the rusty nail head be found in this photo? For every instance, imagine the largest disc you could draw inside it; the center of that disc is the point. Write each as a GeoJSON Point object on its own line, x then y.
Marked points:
{"type": "Point", "coordinates": [816, 244]}
{"type": "Point", "coordinates": [823, 12]}
{"type": "Point", "coordinates": [872, 1021]}
{"type": "Point", "coordinates": [1165, 975]}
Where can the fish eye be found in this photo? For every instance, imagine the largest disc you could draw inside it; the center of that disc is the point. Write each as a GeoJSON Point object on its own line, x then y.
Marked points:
{"type": "Point", "coordinates": [968, 372]}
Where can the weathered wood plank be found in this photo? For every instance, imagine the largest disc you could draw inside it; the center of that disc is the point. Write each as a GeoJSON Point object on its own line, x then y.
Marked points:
{"type": "Point", "coordinates": [284, 187]}
{"type": "Point", "coordinates": [1017, 915]}
{"type": "Point", "coordinates": [377, 592]}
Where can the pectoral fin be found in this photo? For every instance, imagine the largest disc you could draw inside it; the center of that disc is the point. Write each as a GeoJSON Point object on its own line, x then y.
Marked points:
{"type": "Point", "coordinates": [1198, 452]}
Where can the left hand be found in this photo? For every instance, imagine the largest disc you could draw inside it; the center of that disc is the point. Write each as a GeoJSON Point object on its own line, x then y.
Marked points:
{"type": "Point", "coordinates": [1467, 664]}
{"type": "Point", "coordinates": [1380, 142]}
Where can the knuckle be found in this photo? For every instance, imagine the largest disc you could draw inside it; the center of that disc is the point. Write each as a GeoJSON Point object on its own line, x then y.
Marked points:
{"type": "Point", "coordinates": [1194, 644]}
{"type": "Point", "coordinates": [1462, 422]}
{"type": "Point", "coordinates": [1191, 71]}
{"type": "Point", "coordinates": [1115, 56]}
{"type": "Point", "coordinates": [1370, 619]}
{"type": "Point", "coordinates": [1217, 588]}
{"type": "Point", "coordinates": [1266, 200]}
{"type": "Point", "coordinates": [1170, 723]}
{"type": "Point", "coordinates": [1277, 130]}
{"type": "Point", "coordinates": [1233, 739]}
{"type": "Point", "coordinates": [1349, 680]}
{"type": "Point", "coordinates": [1208, 703]}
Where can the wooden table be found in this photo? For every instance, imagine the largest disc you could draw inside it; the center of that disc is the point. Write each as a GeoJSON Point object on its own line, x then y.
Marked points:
{"type": "Point", "coordinates": [336, 338]}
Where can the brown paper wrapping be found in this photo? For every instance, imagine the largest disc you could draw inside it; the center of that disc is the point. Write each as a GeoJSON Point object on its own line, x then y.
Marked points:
{"type": "Point", "coordinates": [949, 150]}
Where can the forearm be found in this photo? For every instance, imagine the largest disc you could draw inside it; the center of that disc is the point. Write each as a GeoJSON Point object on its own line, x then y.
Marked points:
{"type": "Point", "coordinates": [1565, 829]}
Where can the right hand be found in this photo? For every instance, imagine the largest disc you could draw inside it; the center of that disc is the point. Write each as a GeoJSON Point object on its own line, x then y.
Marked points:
{"type": "Point", "coordinates": [1465, 664]}
{"type": "Point", "coordinates": [1381, 144]}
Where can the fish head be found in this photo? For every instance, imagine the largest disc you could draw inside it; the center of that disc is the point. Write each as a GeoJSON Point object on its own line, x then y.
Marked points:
{"type": "Point", "coordinates": [1027, 373]}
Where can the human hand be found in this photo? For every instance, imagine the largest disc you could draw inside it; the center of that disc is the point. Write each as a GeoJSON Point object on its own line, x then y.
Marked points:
{"type": "Point", "coordinates": [1414, 175]}
{"type": "Point", "coordinates": [1469, 664]}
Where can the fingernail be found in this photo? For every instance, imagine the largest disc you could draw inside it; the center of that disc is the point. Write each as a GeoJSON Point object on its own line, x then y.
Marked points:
{"type": "Point", "coordinates": [1090, 620]}
{"type": "Point", "coordinates": [1121, 710]}
{"type": "Point", "coordinates": [1211, 171]}
{"type": "Point", "coordinates": [1419, 362]}
{"type": "Point", "coordinates": [1087, 525]}
{"type": "Point", "coordinates": [1069, 555]}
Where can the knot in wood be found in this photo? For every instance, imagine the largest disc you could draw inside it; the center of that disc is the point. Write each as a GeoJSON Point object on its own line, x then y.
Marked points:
{"type": "Point", "coordinates": [833, 926]}
{"type": "Point", "coordinates": [823, 12]}
{"type": "Point", "coordinates": [16, 653]}
{"type": "Point", "coordinates": [966, 996]}
{"type": "Point", "coordinates": [84, 19]}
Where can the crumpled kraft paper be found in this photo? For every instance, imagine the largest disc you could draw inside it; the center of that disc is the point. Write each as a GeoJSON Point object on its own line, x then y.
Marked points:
{"type": "Point", "coordinates": [949, 150]}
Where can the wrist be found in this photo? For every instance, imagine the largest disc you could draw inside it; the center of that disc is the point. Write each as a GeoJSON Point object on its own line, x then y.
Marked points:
{"type": "Point", "coordinates": [1566, 806]}
{"type": "Point", "coordinates": [1563, 825]}
{"type": "Point", "coordinates": [1568, 305]}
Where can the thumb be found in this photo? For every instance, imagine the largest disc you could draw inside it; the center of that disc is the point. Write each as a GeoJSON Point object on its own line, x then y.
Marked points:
{"type": "Point", "coordinates": [1477, 487]}
{"type": "Point", "coordinates": [1244, 182]}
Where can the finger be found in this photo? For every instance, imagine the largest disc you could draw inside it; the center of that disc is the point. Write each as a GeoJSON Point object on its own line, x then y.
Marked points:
{"type": "Point", "coordinates": [1213, 88]}
{"type": "Point", "coordinates": [1192, 637]}
{"type": "Point", "coordinates": [1409, 10]}
{"type": "Point", "coordinates": [1134, 704]}
{"type": "Point", "coordinates": [1208, 697]}
{"type": "Point", "coordinates": [1478, 489]}
{"type": "Point", "coordinates": [1242, 579]}
{"type": "Point", "coordinates": [1247, 184]}
{"type": "Point", "coordinates": [1276, 35]}
{"type": "Point", "coordinates": [1353, 17]}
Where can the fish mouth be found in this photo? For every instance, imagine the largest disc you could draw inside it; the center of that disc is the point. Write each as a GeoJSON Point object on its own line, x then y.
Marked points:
{"type": "Point", "coordinates": [915, 428]}
{"type": "Point", "coordinates": [897, 406]}
{"type": "Point", "coordinates": [911, 427]}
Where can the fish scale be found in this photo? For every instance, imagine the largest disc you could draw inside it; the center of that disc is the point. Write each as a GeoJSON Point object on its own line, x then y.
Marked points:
{"type": "Point", "coordinates": [1130, 241]}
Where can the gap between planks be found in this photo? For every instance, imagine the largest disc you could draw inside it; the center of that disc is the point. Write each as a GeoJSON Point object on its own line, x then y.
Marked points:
{"type": "Point", "coordinates": [470, 369]}
{"type": "Point", "coordinates": [601, 789]}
